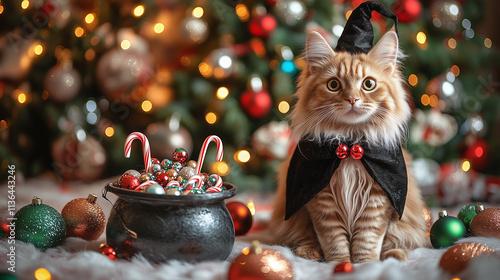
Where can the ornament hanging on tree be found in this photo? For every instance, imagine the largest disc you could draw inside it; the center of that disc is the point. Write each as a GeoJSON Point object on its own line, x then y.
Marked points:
{"type": "Point", "coordinates": [272, 141]}
{"type": "Point", "coordinates": [446, 14]}
{"type": "Point", "coordinates": [242, 217]}
{"type": "Point", "coordinates": [446, 230]}
{"type": "Point", "coordinates": [290, 12]}
{"type": "Point", "coordinates": [475, 124]}
{"type": "Point", "coordinates": [195, 30]}
{"type": "Point", "coordinates": [62, 82]}
{"type": "Point", "coordinates": [408, 11]}
{"type": "Point", "coordinates": [256, 101]}
{"type": "Point", "coordinates": [166, 137]}
{"type": "Point", "coordinates": [40, 225]}
{"type": "Point", "coordinates": [223, 62]}
{"type": "Point", "coordinates": [84, 218]}
{"type": "Point", "coordinates": [477, 154]}
{"type": "Point", "coordinates": [457, 258]}
{"type": "Point", "coordinates": [262, 24]}
{"type": "Point", "coordinates": [486, 223]}
{"type": "Point", "coordinates": [258, 263]}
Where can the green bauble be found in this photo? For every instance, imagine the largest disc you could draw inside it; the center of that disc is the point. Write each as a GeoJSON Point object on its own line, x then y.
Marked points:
{"type": "Point", "coordinates": [40, 225]}
{"type": "Point", "coordinates": [466, 214]}
{"type": "Point", "coordinates": [446, 230]}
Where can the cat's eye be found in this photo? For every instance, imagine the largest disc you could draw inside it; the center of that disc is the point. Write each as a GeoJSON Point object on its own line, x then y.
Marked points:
{"type": "Point", "coordinates": [333, 84]}
{"type": "Point", "coordinates": [369, 84]}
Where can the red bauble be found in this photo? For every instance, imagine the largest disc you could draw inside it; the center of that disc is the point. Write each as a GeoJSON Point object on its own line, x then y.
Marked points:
{"type": "Point", "coordinates": [262, 25]}
{"type": "Point", "coordinates": [130, 182]}
{"type": "Point", "coordinates": [256, 104]}
{"type": "Point", "coordinates": [342, 151]}
{"type": "Point", "coordinates": [108, 251]}
{"type": "Point", "coordinates": [477, 154]}
{"type": "Point", "coordinates": [180, 155]}
{"type": "Point", "coordinates": [357, 151]}
{"type": "Point", "coordinates": [343, 267]}
{"type": "Point", "coordinates": [486, 223]}
{"type": "Point", "coordinates": [257, 263]}
{"type": "Point", "coordinates": [242, 217]}
{"type": "Point", "coordinates": [408, 10]}
{"type": "Point", "coordinates": [162, 179]}
{"type": "Point", "coordinates": [84, 218]}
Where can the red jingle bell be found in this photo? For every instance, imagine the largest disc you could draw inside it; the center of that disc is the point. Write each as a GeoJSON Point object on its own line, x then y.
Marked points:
{"type": "Point", "coordinates": [342, 151]}
{"type": "Point", "coordinates": [357, 152]}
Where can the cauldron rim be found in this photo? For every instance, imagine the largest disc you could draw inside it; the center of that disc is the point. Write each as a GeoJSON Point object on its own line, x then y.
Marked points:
{"type": "Point", "coordinates": [156, 199]}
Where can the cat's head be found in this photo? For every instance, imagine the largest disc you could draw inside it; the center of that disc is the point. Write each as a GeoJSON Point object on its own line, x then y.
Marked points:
{"type": "Point", "coordinates": [343, 95]}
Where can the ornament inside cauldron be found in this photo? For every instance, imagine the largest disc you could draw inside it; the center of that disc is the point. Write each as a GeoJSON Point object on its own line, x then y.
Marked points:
{"type": "Point", "coordinates": [161, 227]}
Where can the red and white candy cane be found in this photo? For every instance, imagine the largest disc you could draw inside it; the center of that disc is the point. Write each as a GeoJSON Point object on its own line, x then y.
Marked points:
{"type": "Point", "coordinates": [142, 186]}
{"type": "Point", "coordinates": [146, 150]}
{"type": "Point", "coordinates": [201, 157]}
{"type": "Point", "coordinates": [195, 182]}
{"type": "Point", "coordinates": [218, 185]}
{"type": "Point", "coordinates": [172, 184]}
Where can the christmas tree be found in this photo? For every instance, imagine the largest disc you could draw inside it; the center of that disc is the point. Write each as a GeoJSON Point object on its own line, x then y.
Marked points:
{"type": "Point", "coordinates": [76, 77]}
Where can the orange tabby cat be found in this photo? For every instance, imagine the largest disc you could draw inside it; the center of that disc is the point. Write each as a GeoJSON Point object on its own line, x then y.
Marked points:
{"type": "Point", "coordinates": [351, 96]}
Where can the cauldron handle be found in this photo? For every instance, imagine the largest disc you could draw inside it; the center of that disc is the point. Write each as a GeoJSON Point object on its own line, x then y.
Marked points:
{"type": "Point", "coordinates": [104, 192]}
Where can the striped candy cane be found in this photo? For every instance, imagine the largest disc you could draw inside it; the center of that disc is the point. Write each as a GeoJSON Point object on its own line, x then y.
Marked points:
{"type": "Point", "coordinates": [172, 184]}
{"type": "Point", "coordinates": [145, 148]}
{"type": "Point", "coordinates": [195, 182]}
{"type": "Point", "coordinates": [142, 186]}
{"type": "Point", "coordinates": [201, 157]}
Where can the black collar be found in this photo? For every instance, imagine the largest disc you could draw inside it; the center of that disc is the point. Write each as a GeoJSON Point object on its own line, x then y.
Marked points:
{"type": "Point", "coordinates": [314, 162]}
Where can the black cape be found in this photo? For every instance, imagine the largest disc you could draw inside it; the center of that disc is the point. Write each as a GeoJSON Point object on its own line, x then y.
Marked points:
{"type": "Point", "coordinates": [313, 164]}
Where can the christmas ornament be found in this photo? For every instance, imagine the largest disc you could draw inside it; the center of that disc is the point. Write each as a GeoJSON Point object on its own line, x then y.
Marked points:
{"type": "Point", "coordinates": [195, 29]}
{"type": "Point", "coordinates": [446, 230]}
{"type": "Point", "coordinates": [457, 258]}
{"type": "Point", "coordinates": [256, 104]}
{"type": "Point", "coordinates": [260, 264]}
{"type": "Point", "coordinates": [342, 151]}
{"type": "Point", "coordinates": [454, 184]}
{"type": "Point", "coordinates": [433, 128]}
{"type": "Point", "coordinates": [486, 222]}
{"type": "Point", "coordinates": [357, 151]}
{"type": "Point", "coordinates": [108, 251]}
{"type": "Point", "coordinates": [62, 83]}
{"type": "Point", "coordinates": [426, 172]}
{"type": "Point", "coordinates": [154, 188]}
{"type": "Point", "coordinates": [272, 141]}
{"type": "Point", "coordinates": [343, 267]}
{"type": "Point", "coordinates": [222, 61]}
{"type": "Point", "coordinates": [475, 124]}
{"type": "Point", "coordinates": [242, 217]}
{"type": "Point", "coordinates": [449, 90]}
{"type": "Point", "coordinates": [466, 214]}
{"type": "Point", "coordinates": [408, 11]}
{"type": "Point", "coordinates": [129, 182]}
{"type": "Point", "coordinates": [40, 225]}
{"type": "Point", "coordinates": [120, 73]}
{"type": "Point", "coordinates": [180, 155]}
{"type": "Point", "coordinates": [84, 218]}
{"type": "Point", "coordinates": [446, 14]}
{"type": "Point", "coordinates": [166, 137]}
{"type": "Point", "coordinates": [477, 154]}
{"type": "Point", "coordinates": [291, 12]}
{"type": "Point", "coordinates": [262, 25]}
{"type": "Point", "coordinates": [428, 220]}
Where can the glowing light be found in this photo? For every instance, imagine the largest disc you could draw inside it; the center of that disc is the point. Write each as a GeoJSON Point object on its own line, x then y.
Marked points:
{"type": "Point", "coordinates": [89, 54]}
{"type": "Point", "coordinates": [337, 30]}
{"type": "Point", "coordinates": [138, 11]}
{"type": "Point", "coordinates": [92, 118]}
{"type": "Point", "coordinates": [242, 12]}
{"type": "Point", "coordinates": [3, 125]}
{"type": "Point", "coordinates": [1, 9]}
{"type": "Point", "coordinates": [222, 93]}
{"type": "Point", "coordinates": [185, 61]}
{"type": "Point", "coordinates": [91, 106]}
{"type": "Point", "coordinates": [421, 38]}
{"type": "Point", "coordinates": [146, 105]}
{"type": "Point", "coordinates": [447, 88]}
{"type": "Point", "coordinates": [89, 18]}
{"type": "Point", "coordinates": [245, 251]}
{"type": "Point", "coordinates": [465, 166]}
{"type": "Point", "coordinates": [488, 43]}
{"type": "Point", "coordinates": [283, 107]}
{"type": "Point", "coordinates": [25, 4]}
{"type": "Point", "coordinates": [94, 40]}
{"type": "Point", "coordinates": [413, 80]}
{"type": "Point", "coordinates": [425, 99]}
{"type": "Point", "coordinates": [225, 62]}
{"type": "Point", "coordinates": [211, 118]}
{"type": "Point", "coordinates": [348, 14]}
{"type": "Point", "coordinates": [198, 12]}
{"type": "Point", "coordinates": [450, 77]}
{"type": "Point", "coordinates": [45, 95]}
{"type": "Point", "coordinates": [288, 66]}
{"type": "Point", "coordinates": [455, 70]}
{"type": "Point", "coordinates": [21, 98]}
{"type": "Point", "coordinates": [79, 31]}
{"type": "Point", "coordinates": [221, 168]}
{"type": "Point", "coordinates": [158, 28]}
{"type": "Point", "coordinates": [42, 274]}
{"type": "Point", "coordinates": [478, 152]}
{"type": "Point", "coordinates": [251, 207]}
{"type": "Point", "coordinates": [125, 44]}
{"type": "Point", "coordinates": [242, 156]}
{"type": "Point", "coordinates": [466, 23]}
{"type": "Point", "coordinates": [205, 69]}
{"type": "Point", "coordinates": [109, 131]}
{"type": "Point", "coordinates": [433, 100]}
{"type": "Point", "coordinates": [452, 43]}
{"type": "Point", "coordinates": [454, 10]}
{"type": "Point", "coordinates": [38, 49]}
{"type": "Point", "coordinates": [256, 83]}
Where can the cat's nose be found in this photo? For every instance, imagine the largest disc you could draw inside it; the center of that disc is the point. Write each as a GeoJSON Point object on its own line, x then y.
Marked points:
{"type": "Point", "coordinates": [351, 100]}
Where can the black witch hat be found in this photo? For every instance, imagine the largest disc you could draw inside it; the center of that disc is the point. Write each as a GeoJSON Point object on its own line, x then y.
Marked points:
{"type": "Point", "coordinates": [357, 36]}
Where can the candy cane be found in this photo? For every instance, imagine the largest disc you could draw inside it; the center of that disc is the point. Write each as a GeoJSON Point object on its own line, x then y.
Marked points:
{"type": "Point", "coordinates": [201, 157]}
{"type": "Point", "coordinates": [172, 184]}
{"type": "Point", "coordinates": [196, 181]}
{"type": "Point", "coordinates": [145, 148]}
{"type": "Point", "coordinates": [142, 186]}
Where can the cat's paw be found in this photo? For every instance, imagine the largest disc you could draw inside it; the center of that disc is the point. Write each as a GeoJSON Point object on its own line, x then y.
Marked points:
{"type": "Point", "coordinates": [398, 254]}
{"type": "Point", "coordinates": [309, 252]}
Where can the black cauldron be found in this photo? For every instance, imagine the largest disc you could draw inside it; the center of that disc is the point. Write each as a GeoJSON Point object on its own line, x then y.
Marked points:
{"type": "Point", "coordinates": [191, 228]}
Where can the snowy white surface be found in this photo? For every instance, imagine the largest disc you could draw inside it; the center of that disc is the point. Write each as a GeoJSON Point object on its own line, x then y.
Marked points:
{"type": "Point", "coordinates": [79, 259]}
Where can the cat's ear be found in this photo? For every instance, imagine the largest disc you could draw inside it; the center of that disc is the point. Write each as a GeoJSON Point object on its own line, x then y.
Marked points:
{"type": "Point", "coordinates": [386, 51]}
{"type": "Point", "coordinates": [318, 51]}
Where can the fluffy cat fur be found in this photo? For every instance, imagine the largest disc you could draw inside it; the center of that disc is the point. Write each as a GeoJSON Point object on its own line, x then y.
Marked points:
{"type": "Point", "coordinates": [351, 219]}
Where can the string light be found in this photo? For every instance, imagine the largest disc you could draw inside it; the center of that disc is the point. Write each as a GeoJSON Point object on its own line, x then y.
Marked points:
{"type": "Point", "coordinates": [222, 93]}
{"type": "Point", "coordinates": [109, 131]}
{"type": "Point", "coordinates": [413, 80]}
{"type": "Point", "coordinates": [251, 207]}
{"type": "Point", "coordinates": [38, 49]}
{"type": "Point", "coordinates": [452, 43]}
{"type": "Point", "coordinates": [138, 11]}
{"type": "Point", "coordinates": [465, 165]}
{"type": "Point", "coordinates": [433, 101]}
{"type": "Point", "coordinates": [488, 43]}
{"type": "Point", "coordinates": [421, 38]}
{"type": "Point", "coordinates": [158, 28]}
{"type": "Point", "coordinates": [185, 60]}
{"type": "Point", "coordinates": [242, 12]}
{"type": "Point", "coordinates": [79, 31]}
{"type": "Point", "coordinates": [198, 12]}
{"type": "Point", "coordinates": [211, 117]}
{"type": "Point", "coordinates": [45, 95]}
{"type": "Point", "coordinates": [21, 98]}
{"type": "Point", "coordinates": [125, 44]}
{"type": "Point", "coordinates": [89, 54]}
{"type": "Point", "coordinates": [348, 14]}
{"type": "Point", "coordinates": [3, 125]}
{"type": "Point", "coordinates": [205, 69]}
{"type": "Point", "coordinates": [455, 70]}
{"type": "Point", "coordinates": [25, 4]}
{"type": "Point", "coordinates": [242, 156]}
{"type": "Point", "coordinates": [146, 105]}
{"type": "Point", "coordinates": [94, 41]}
{"type": "Point", "coordinates": [221, 168]}
{"type": "Point", "coordinates": [425, 99]}
{"type": "Point", "coordinates": [42, 274]}
{"type": "Point", "coordinates": [283, 107]}
{"type": "Point", "coordinates": [89, 18]}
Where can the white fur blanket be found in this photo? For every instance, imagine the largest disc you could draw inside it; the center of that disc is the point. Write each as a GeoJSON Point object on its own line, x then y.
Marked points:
{"type": "Point", "coordinates": [79, 259]}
